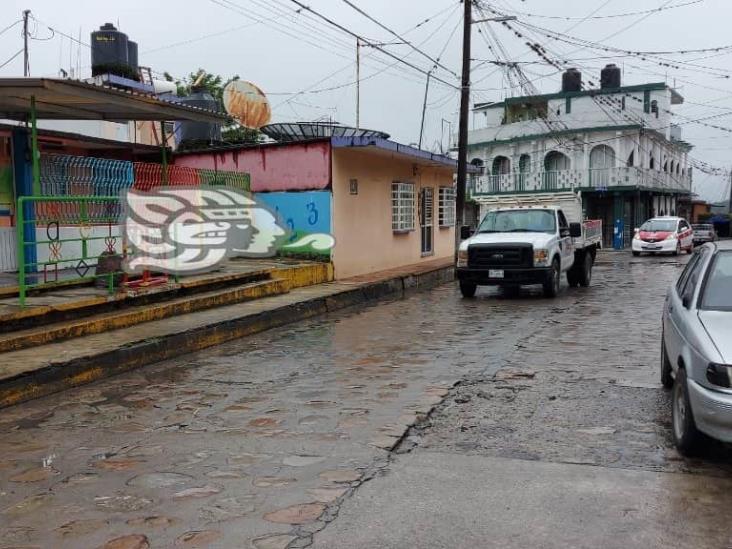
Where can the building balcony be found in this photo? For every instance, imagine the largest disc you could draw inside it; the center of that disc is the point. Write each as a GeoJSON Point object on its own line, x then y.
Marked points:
{"type": "Point", "coordinates": [604, 179]}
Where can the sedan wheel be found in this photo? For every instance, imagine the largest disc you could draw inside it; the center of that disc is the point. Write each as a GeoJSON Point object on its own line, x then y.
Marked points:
{"type": "Point", "coordinates": [686, 435]}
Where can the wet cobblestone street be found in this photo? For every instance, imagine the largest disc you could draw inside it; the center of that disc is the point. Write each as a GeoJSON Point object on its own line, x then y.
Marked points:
{"type": "Point", "coordinates": [264, 441]}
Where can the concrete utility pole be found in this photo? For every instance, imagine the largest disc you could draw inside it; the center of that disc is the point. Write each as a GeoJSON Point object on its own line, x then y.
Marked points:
{"type": "Point", "coordinates": [26, 64]}
{"type": "Point", "coordinates": [462, 175]}
{"type": "Point", "coordinates": [358, 83]}
{"type": "Point", "coordinates": [424, 108]}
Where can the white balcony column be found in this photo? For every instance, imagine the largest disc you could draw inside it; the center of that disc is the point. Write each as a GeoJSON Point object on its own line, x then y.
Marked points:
{"type": "Point", "coordinates": [514, 167]}
{"type": "Point", "coordinates": [619, 149]}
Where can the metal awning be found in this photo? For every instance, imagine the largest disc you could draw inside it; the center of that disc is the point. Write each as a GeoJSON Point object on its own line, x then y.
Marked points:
{"type": "Point", "coordinates": [75, 100]}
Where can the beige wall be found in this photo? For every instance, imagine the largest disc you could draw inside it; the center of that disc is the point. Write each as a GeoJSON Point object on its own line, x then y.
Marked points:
{"type": "Point", "coordinates": [365, 242]}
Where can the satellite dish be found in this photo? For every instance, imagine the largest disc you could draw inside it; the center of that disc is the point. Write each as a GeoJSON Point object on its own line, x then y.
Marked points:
{"type": "Point", "coordinates": [247, 104]}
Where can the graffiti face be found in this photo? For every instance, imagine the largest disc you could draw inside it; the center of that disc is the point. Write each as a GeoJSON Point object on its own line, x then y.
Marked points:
{"type": "Point", "coordinates": [184, 230]}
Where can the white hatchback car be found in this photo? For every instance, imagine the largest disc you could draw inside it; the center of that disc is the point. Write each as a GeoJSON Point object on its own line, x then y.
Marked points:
{"type": "Point", "coordinates": [664, 234]}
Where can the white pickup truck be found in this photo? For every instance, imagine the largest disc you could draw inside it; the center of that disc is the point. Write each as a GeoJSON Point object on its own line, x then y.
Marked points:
{"type": "Point", "coordinates": [529, 239]}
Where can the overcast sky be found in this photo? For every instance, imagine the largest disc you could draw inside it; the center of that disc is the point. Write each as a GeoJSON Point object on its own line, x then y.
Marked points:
{"type": "Point", "coordinates": [268, 43]}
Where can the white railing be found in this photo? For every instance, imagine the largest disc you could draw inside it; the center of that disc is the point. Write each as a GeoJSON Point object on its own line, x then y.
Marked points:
{"type": "Point", "coordinates": [596, 178]}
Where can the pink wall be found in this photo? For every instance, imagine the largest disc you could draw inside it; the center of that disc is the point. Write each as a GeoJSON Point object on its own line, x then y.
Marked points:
{"type": "Point", "coordinates": [304, 166]}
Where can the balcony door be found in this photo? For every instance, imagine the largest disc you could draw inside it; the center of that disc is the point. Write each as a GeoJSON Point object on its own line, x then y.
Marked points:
{"type": "Point", "coordinates": [602, 161]}
{"type": "Point", "coordinates": [554, 163]}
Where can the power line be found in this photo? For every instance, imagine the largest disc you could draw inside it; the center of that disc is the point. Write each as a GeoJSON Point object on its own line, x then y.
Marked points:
{"type": "Point", "coordinates": [370, 43]}
{"type": "Point", "coordinates": [612, 16]}
{"type": "Point", "coordinates": [10, 26]}
{"type": "Point", "coordinates": [397, 35]}
{"type": "Point", "coordinates": [16, 54]}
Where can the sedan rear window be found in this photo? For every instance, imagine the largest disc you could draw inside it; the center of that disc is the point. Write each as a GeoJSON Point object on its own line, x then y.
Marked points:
{"type": "Point", "coordinates": [699, 227]}
{"type": "Point", "coordinates": [659, 226]}
{"type": "Point", "coordinates": [718, 288]}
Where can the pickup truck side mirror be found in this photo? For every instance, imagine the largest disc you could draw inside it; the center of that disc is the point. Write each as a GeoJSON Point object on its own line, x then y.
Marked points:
{"type": "Point", "coordinates": [575, 230]}
{"type": "Point", "coordinates": [686, 301]}
{"type": "Point", "coordinates": [466, 232]}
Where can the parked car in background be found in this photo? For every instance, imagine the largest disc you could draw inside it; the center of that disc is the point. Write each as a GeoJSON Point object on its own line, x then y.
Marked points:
{"type": "Point", "coordinates": [663, 235]}
{"type": "Point", "coordinates": [696, 347]}
{"type": "Point", "coordinates": [703, 233]}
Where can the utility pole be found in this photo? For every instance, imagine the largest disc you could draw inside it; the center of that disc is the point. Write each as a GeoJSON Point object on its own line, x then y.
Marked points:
{"type": "Point", "coordinates": [424, 108]}
{"type": "Point", "coordinates": [462, 175]}
{"type": "Point", "coordinates": [358, 83]}
{"type": "Point", "coordinates": [26, 64]}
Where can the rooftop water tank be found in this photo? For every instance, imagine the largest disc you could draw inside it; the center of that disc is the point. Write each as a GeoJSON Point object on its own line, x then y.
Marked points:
{"type": "Point", "coordinates": [109, 51]}
{"type": "Point", "coordinates": [132, 55]}
{"type": "Point", "coordinates": [198, 133]}
{"type": "Point", "coordinates": [610, 77]}
{"type": "Point", "coordinates": [572, 81]}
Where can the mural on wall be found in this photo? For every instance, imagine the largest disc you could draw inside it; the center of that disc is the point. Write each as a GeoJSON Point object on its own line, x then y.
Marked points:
{"type": "Point", "coordinates": [303, 214]}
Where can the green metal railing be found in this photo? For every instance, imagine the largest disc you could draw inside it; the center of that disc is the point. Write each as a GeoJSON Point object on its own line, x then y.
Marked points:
{"type": "Point", "coordinates": [60, 217]}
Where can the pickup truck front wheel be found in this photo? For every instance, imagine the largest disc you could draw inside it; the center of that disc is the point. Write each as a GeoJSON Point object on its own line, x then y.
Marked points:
{"type": "Point", "coordinates": [468, 288]}
{"type": "Point", "coordinates": [553, 280]}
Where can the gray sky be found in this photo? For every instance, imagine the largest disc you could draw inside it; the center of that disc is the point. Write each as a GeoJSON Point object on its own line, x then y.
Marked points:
{"type": "Point", "coordinates": [285, 53]}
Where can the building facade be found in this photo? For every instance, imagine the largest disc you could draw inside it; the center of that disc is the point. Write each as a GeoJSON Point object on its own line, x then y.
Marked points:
{"type": "Point", "coordinates": [617, 145]}
{"type": "Point", "coordinates": [387, 205]}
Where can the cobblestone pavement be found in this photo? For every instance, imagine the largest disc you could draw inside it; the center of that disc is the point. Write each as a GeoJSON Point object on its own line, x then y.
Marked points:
{"type": "Point", "coordinates": [251, 444]}
{"type": "Point", "coordinates": [263, 441]}
{"type": "Point", "coordinates": [565, 443]}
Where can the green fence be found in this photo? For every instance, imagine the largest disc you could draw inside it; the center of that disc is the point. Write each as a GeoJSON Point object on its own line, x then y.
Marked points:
{"type": "Point", "coordinates": [73, 238]}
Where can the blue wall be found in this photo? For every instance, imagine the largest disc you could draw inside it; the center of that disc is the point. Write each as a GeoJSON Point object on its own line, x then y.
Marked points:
{"type": "Point", "coordinates": [302, 213]}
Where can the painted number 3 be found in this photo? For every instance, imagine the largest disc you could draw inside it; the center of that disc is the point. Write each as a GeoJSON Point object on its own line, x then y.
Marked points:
{"type": "Point", "coordinates": [312, 213]}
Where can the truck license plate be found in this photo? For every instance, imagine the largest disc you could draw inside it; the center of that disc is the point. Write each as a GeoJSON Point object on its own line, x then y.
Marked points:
{"type": "Point", "coordinates": [495, 273]}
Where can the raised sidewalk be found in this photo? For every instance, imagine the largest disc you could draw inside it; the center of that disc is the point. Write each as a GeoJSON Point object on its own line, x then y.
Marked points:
{"type": "Point", "coordinates": [78, 341]}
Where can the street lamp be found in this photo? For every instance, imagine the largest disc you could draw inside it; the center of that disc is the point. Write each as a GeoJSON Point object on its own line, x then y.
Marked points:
{"type": "Point", "coordinates": [499, 19]}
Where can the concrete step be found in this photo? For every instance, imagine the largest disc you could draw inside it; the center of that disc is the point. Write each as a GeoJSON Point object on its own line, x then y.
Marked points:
{"type": "Point", "coordinates": [131, 316]}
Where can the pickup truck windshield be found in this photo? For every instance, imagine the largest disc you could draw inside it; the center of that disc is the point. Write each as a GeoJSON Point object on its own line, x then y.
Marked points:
{"type": "Point", "coordinates": [718, 289]}
{"type": "Point", "coordinates": [519, 221]}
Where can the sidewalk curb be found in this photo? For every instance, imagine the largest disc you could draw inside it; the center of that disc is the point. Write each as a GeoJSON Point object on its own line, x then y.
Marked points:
{"type": "Point", "coordinates": [64, 375]}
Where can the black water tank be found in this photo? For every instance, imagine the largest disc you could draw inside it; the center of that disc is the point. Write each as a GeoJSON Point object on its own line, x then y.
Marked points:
{"type": "Point", "coordinates": [610, 77]}
{"type": "Point", "coordinates": [132, 55]}
{"type": "Point", "coordinates": [190, 133]}
{"type": "Point", "coordinates": [572, 81]}
{"type": "Point", "coordinates": [109, 51]}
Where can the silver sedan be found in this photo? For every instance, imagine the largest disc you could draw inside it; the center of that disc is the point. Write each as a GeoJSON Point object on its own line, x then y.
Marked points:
{"type": "Point", "coordinates": [696, 347]}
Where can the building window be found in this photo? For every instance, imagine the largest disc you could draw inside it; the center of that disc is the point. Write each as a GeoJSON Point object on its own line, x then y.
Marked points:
{"type": "Point", "coordinates": [654, 107]}
{"type": "Point", "coordinates": [402, 207]}
{"type": "Point", "coordinates": [647, 101]}
{"type": "Point", "coordinates": [446, 207]}
{"type": "Point", "coordinates": [353, 186]}
{"type": "Point", "coordinates": [568, 105]}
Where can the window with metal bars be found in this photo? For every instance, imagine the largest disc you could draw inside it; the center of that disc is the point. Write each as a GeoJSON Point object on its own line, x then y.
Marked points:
{"type": "Point", "coordinates": [446, 207]}
{"type": "Point", "coordinates": [402, 207]}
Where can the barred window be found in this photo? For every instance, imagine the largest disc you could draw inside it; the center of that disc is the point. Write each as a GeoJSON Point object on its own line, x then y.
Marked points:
{"type": "Point", "coordinates": [402, 207]}
{"type": "Point", "coordinates": [446, 207]}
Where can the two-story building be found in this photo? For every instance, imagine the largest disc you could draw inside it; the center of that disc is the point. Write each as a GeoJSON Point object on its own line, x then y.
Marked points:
{"type": "Point", "coordinates": [615, 144]}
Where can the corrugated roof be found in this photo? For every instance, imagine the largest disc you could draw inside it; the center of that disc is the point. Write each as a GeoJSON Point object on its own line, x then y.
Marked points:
{"type": "Point", "coordinates": [76, 100]}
